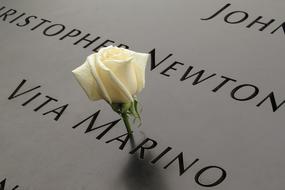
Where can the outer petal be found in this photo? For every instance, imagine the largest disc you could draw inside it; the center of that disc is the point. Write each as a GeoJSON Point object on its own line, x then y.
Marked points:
{"type": "Point", "coordinates": [86, 80]}
{"type": "Point", "coordinates": [113, 88]}
{"type": "Point", "coordinates": [140, 60]}
{"type": "Point", "coordinates": [91, 60]}
{"type": "Point", "coordinates": [125, 73]}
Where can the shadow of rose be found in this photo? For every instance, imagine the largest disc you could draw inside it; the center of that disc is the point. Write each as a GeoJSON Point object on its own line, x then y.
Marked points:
{"type": "Point", "coordinates": [140, 174]}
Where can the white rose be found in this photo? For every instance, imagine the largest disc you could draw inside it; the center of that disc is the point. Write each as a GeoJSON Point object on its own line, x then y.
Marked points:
{"type": "Point", "coordinates": [113, 74]}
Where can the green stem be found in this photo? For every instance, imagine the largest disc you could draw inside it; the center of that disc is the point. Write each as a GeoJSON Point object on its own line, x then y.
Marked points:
{"type": "Point", "coordinates": [126, 122]}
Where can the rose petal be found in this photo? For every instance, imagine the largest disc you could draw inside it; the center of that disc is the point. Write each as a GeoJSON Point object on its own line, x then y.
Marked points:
{"type": "Point", "coordinates": [125, 73]}
{"type": "Point", "coordinates": [140, 61]}
{"type": "Point", "coordinates": [91, 60]}
{"type": "Point", "coordinates": [114, 89]}
{"type": "Point", "coordinates": [87, 82]}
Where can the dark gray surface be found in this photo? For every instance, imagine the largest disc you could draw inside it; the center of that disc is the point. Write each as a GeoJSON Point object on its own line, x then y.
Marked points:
{"type": "Point", "coordinates": [248, 141]}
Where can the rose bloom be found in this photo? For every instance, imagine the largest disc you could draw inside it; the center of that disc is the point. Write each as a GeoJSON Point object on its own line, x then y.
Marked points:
{"type": "Point", "coordinates": [113, 74]}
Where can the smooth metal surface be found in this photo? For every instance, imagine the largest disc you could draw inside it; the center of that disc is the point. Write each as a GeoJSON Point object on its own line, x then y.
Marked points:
{"type": "Point", "coordinates": [38, 153]}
